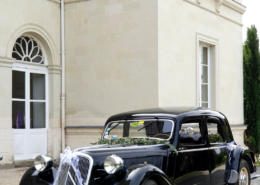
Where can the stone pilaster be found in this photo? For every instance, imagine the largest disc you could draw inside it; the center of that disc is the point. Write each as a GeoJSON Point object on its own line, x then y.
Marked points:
{"type": "Point", "coordinates": [6, 131]}
{"type": "Point", "coordinates": [54, 130]}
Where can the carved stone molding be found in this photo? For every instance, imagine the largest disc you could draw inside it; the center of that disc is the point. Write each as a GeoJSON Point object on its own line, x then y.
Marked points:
{"type": "Point", "coordinates": [198, 1]}
{"type": "Point", "coordinates": [214, 12]}
{"type": "Point", "coordinates": [6, 62]}
{"type": "Point", "coordinates": [54, 69]}
{"type": "Point", "coordinates": [218, 4]}
{"type": "Point", "coordinates": [235, 6]}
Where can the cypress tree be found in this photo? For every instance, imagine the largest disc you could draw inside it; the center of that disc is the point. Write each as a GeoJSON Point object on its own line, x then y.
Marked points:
{"type": "Point", "coordinates": [251, 64]}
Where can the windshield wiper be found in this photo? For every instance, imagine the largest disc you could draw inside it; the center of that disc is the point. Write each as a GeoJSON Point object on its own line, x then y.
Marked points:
{"type": "Point", "coordinates": [115, 126]}
{"type": "Point", "coordinates": [145, 125]}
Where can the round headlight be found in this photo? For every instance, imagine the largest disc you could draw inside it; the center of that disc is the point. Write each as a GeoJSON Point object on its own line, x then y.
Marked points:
{"type": "Point", "coordinates": [42, 163]}
{"type": "Point", "coordinates": [112, 163]}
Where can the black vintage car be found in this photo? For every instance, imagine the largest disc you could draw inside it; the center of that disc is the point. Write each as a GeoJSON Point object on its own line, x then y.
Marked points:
{"type": "Point", "coordinates": [161, 146]}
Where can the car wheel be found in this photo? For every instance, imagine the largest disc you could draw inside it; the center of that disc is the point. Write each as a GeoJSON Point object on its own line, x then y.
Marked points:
{"type": "Point", "coordinates": [150, 182]}
{"type": "Point", "coordinates": [244, 177]}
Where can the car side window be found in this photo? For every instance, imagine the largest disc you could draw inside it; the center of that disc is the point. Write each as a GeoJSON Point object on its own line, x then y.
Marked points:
{"type": "Point", "coordinates": [215, 131]}
{"type": "Point", "coordinates": [191, 133]}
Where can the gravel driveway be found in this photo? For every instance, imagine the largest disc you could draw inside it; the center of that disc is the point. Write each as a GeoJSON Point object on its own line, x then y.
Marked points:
{"type": "Point", "coordinates": [11, 176]}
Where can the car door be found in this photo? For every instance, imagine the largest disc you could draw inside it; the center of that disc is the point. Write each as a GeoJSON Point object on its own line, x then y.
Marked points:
{"type": "Point", "coordinates": [192, 164]}
{"type": "Point", "coordinates": [217, 150]}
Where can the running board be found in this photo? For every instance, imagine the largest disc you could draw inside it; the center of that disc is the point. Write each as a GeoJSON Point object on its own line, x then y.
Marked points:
{"type": "Point", "coordinates": [254, 176]}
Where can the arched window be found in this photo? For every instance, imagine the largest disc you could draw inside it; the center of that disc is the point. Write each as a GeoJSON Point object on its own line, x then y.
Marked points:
{"type": "Point", "coordinates": [28, 49]}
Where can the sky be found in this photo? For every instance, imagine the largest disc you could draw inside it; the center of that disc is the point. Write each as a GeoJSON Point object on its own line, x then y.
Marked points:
{"type": "Point", "coordinates": [251, 16]}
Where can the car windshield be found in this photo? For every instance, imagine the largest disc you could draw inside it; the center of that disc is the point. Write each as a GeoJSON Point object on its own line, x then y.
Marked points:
{"type": "Point", "coordinates": [161, 129]}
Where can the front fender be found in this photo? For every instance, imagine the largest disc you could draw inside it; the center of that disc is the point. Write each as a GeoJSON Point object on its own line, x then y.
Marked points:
{"type": "Point", "coordinates": [138, 174]}
{"type": "Point", "coordinates": [33, 177]}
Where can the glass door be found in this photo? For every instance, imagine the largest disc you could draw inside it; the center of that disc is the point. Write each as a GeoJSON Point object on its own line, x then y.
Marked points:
{"type": "Point", "coordinates": [37, 125]}
{"type": "Point", "coordinates": [29, 113]}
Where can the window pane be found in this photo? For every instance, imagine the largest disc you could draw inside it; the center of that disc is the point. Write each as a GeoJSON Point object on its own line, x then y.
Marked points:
{"type": "Point", "coordinates": [18, 85]}
{"type": "Point", "coordinates": [204, 91]}
{"type": "Point", "coordinates": [37, 86]}
{"type": "Point", "coordinates": [204, 74]}
{"type": "Point", "coordinates": [204, 55]}
{"type": "Point", "coordinates": [37, 115]}
{"type": "Point", "coordinates": [190, 133]}
{"type": "Point", "coordinates": [205, 105]}
{"type": "Point", "coordinates": [215, 133]}
{"type": "Point", "coordinates": [18, 114]}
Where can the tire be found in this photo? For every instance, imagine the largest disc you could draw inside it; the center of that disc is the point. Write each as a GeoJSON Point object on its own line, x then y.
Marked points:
{"type": "Point", "coordinates": [150, 182]}
{"type": "Point", "coordinates": [244, 173]}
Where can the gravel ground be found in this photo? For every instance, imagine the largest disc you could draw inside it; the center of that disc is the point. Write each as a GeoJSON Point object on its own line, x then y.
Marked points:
{"type": "Point", "coordinates": [11, 176]}
{"type": "Point", "coordinates": [257, 180]}
{"type": "Point", "coordinates": [14, 175]}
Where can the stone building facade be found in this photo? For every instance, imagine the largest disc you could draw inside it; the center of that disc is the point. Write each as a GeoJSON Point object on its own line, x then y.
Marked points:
{"type": "Point", "coordinates": [120, 55]}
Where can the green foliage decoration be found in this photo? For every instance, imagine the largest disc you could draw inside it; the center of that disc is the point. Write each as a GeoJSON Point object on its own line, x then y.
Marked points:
{"type": "Point", "coordinates": [215, 138]}
{"type": "Point", "coordinates": [251, 70]}
{"type": "Point", "coordinates": [128, 141]}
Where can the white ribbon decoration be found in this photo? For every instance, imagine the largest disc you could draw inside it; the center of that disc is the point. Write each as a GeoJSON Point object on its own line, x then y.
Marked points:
{"type": "Point", "coordinates": [71, 159]}
{"type": "Point", "coordinates": [230, 147]}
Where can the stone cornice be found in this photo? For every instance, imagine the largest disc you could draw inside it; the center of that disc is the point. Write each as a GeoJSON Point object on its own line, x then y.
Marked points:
{"type": "Point", "coordinates": [54, 69]}
{"type": "Point", "coordinates": [235, 6]}
{"type": "Point", "coordinates": [6, 62]}
{"type": "Point", "coordinates": [232, 4]}
{"type": "Point", "coordinates": [214, 12]}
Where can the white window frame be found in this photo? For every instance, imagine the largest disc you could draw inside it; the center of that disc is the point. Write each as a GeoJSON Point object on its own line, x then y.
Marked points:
{"type": "Point", "coordinates": [38, 70]}
{"type": "Point", "coordinates": [213, 44]}
{"type": "Point", "coordinates": [208, 73]}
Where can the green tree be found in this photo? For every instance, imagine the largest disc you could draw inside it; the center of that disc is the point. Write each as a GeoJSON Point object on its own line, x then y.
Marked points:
{"type": "Point", "coordinates": [251, 64]}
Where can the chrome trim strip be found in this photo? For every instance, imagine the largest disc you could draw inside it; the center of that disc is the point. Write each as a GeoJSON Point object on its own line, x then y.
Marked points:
{"type": "Point", "coordinates": [102, 137]}
{"type": "Point", "coordinates": [72, 180]}
{"type": "Point", "coordinates": [90, 164]}
{"type": "Point", "coordinates": [90, 147]}
{"type": "Point", "coordinates": [216, 147]}
{"type": "Point", "coordinates": [126, 148]}
{"type": "Point", "coordinates": [193, 150]}
{"type": "Point", "coordinates": [201, 149]}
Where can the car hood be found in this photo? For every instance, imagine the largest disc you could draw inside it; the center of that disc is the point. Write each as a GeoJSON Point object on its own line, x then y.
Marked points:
{"type": "Point", "coordinates": [132, 155]}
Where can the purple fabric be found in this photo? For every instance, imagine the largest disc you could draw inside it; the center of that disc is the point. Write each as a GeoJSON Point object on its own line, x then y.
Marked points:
{"type": "Point", "coordinates": [19, 120]}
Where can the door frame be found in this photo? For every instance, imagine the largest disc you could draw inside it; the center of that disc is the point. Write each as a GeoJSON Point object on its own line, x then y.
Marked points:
{"type": "Point", "coordinates": [39, 69]}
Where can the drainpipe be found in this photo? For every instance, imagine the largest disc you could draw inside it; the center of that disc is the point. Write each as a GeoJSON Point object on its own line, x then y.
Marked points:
{"type": "Point", "coordinates": [63, 95]}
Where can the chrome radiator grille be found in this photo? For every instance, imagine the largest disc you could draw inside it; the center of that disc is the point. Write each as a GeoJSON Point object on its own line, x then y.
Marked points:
{"type": "Point", "coordinates": [68, 175]}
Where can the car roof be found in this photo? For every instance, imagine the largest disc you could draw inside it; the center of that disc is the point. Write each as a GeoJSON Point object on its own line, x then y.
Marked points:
{"type": "Point", "coordinates": [160, 112]}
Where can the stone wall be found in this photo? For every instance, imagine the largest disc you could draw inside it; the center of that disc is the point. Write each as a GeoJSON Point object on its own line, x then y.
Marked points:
{"type": "Point", "coordinates": [180, 35]}
{"type": "Point", "coordinates": [111, 60]}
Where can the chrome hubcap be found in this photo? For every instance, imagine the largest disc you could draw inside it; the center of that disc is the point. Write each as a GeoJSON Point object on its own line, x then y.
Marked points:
{"type": "Point", "coordinates": [243, 177]}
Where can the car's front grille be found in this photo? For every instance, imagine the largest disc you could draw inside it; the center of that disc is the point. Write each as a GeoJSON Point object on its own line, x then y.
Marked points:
{"type": "Point", "coordinates": [67, 175]}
